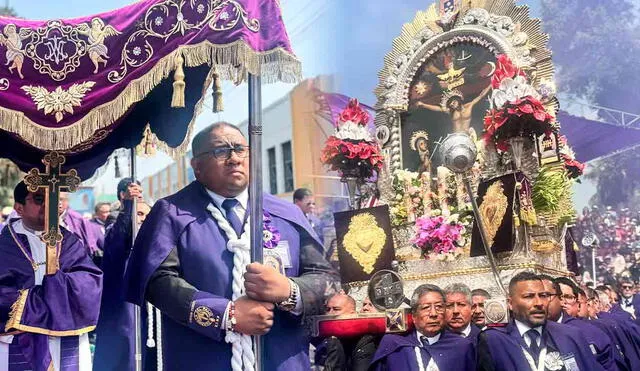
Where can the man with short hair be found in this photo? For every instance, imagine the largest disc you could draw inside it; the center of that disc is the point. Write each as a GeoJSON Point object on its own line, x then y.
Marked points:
{"type": "Point", "coordinates": [191, 258]}
{"type": "Point", "coordinates": [115, 333]}
{"type": "Point", "coordinates": [629, 301]}
{"type": "Point", "coordinates": [478, 298]}
{"type": "Point", "coordinates": [303, 198]}
{"type": "Point", "coordinates": [599, 343]}
{"type": "Point", "coordinates": [530, 342]}
{"type": "Point", "coordinates": [101, 216]}
{"type": "Point", "coordinates": [340, 303]}
{"type": "Point", "coordinates": [367, 306]}
{"type": "Point", "coordinates": [429, 346]}
{"type": "Point", "coordinates": [44, 317]}
{"type": "Point", "coordinates": [458, 313]}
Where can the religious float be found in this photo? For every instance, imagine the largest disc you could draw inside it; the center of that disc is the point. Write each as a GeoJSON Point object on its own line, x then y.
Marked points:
{"type": "Point", "coordinates": [75, 90]}
{"type": "Point", "coordinates": [466, 149]}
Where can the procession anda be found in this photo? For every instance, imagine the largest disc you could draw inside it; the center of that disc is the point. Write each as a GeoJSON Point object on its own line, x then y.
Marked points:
{"type": "Point", "coordinates": [434, 230]}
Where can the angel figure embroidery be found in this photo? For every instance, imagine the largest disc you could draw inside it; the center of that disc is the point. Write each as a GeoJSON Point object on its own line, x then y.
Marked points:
{"type": "Point", "coordinates": [13, 41]}
{"type": "Point", "coordinates": [96, 34]}
{"type": "Point", "coordinates": [453, 103]}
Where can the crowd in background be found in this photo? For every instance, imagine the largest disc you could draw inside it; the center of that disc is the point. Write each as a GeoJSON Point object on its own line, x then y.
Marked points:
{"type": "Point", "coordinates": [618, 248]}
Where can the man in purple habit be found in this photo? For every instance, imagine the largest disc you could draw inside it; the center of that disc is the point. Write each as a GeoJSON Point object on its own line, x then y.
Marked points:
{"type": "Point", "coordinates": [429, 346]}
{"type": "Point", "coordinates": [44, 318]}
{"type": "Point", "coordinates": [191, 260]}
{"type": "Point", "coordinates": [89, 233]}
{"type": "Point", "coordinates": [599, 343]}
{"type": "Point", "coordinates": [530, 342]}
{"type": "Point", "coordinates": [115, 334]}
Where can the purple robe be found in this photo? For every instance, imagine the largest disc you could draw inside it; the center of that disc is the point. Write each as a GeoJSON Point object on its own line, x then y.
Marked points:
{"type": "Point", "coordinates": [182, 223]}
{"type": "Point", "coordinates": [500, 349]}
{"type": "Point", "coordinates": [65, 305]}
{"type": "Point", "coordinates": [398, 352]}
{"type": "Point", "coordinates": [599, 342]}
{"type": "Point", "coordinates": [115, 333]}
{"type": "Point", "coordinates": [88, 232]}
{"type": "Point", "coordinates": [622, 342]}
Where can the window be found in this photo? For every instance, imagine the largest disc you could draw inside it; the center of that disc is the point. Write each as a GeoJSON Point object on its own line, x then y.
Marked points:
{"type": "Point", "coordinates": [273, 171]}
{"type": "Point", "coordinates": [287, 161]}
{"type": "Point", "coordinates": [173, 177]}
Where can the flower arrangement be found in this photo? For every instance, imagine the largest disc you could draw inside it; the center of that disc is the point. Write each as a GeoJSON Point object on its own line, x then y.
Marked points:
{"type": "Point", "coordinates": [573, 167]}
{"type": "Point", "coordinates": [352, 149]}
{"type": "Point", "coordinates": [517, 109]}
{"type": "Point", "coordinates": [439, 237]}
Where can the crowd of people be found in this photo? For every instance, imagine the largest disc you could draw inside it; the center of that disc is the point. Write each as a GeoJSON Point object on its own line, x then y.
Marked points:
{"type": "Point", "coordinates": [618, 247]}
{"type": "Point", "coordinates": [555, 324]}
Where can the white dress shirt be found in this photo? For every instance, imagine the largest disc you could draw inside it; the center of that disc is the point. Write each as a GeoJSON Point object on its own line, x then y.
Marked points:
{"type": "Point", "coordinates": [432, 340]}
{"type": "Point", "coordinates": [522, 329]}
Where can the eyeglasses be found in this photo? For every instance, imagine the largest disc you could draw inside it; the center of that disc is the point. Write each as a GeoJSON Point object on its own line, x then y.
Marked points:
{"type": "Point", "coordinates": [224, 152]}
{"type": "Point", "coordinates": [37, 199]}
{"type": "Point", "coordinates": [438, 308]}
{"type": "Point", "coordinates": [627, 287]}
{"type": "Point", "coordinates": [568, 298]}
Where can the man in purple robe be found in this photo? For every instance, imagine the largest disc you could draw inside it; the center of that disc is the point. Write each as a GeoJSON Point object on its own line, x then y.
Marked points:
{"type": "Point", "coordinates": [86, 231]}
{"type": "Point", "coordinates": [44, 318]}
{"type": "Point", "coordinates": [599, 343]}
{"type": "Point", "coordinates": [190, 261]}
{"type": "Point", "coordinates": [429, 346]}
{"type": "Point", "coordinates": [530, 342]}
{"type": "Point", "coordinates": [458, 314]}
{"type": "Point", "coordinates": [115, 334]}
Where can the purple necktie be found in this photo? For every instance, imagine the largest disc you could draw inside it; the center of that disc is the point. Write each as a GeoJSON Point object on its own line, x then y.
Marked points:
{"type": "Point", "coordinates": [534, 347]}
{"type": "Point", "coordinates": [232, 217]}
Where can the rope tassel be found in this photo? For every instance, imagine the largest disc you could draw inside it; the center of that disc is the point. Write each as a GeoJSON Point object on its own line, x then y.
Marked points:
{"type": "Point", "coordinates": [177, 101]}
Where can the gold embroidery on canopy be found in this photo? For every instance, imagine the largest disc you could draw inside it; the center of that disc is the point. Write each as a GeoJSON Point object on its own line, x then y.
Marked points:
{"type": "Point", "coordinates": [59, 101]}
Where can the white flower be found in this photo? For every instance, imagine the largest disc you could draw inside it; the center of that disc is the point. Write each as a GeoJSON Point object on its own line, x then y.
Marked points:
{"type": "Point", "coordinates": [224, 16]}
{"type": "Point", "coordinates": [511, 90]}
{"type": "Point", "coordinates": [453, 218]}
{"type": "Point", "coordinates": [200, 8]}
{"type": "Point", "coordinates": [351, 130]}
{"type": "Point", "coordinates": [137, 51]}
{"type": "Point", "coordinates": [158, 21]}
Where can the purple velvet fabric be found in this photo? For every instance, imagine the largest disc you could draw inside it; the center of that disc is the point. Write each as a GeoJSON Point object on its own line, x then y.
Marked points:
{"type": "Point", "coordinates": [66, 300]}
{"type": "Point", "coordinates": [110, 51]}
{"type": "Point", "coordinates": [89, 233]}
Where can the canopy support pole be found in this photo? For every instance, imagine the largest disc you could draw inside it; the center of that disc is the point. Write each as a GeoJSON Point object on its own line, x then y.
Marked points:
{"type": "Point", "coordinates": [137, 320]}
{"type": "Point", "coordinates": [255, 185]}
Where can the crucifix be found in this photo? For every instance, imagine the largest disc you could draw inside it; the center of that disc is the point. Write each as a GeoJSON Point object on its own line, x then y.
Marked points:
{"type": "Point", "coordinates": [53, 180]}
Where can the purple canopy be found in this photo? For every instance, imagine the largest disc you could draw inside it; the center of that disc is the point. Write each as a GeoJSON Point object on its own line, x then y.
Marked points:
{"type": "Point", "coordinates": [592, 139]}
{"type": "Point", "coordinates": [89, 85]}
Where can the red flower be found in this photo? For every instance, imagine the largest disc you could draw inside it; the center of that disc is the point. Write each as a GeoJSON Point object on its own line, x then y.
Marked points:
{"type": "Point", "coordinates": [504, 68]}
{"type": "Point", "coordinates": [354, 113]}
{"type": "Point", "coordinates": [574, 167]}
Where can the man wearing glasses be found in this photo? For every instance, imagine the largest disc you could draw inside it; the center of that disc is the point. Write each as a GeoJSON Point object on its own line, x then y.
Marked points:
{"type": "Point", "coordinates": [44, 318]}
{"type": "Point", "coordinates": [629, 301]}
{"type": "Point", "coordinates": [191, 260]}
{"type": "Point", "coordinates": [429, 346]}
{"type": "Point", "coordinates": [562, 296]}
{"type": "Point", "coordinates": [530, 342]}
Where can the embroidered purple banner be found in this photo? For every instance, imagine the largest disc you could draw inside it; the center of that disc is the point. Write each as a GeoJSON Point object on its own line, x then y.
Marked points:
{"type": "Point", "coordinates": [67, 84]}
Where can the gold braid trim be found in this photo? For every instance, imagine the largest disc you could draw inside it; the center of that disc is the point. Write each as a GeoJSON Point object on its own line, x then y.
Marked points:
{"type": "Point", "coordinates": [44, 331]}
{"type": "Point", "coordinates": [233, 60]}
{"type": "Point", "coordinates": [15, 315]}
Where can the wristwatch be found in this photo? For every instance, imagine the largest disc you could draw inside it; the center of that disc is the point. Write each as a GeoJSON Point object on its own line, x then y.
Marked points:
{"type": "Point", "coordinates": [289, 304]}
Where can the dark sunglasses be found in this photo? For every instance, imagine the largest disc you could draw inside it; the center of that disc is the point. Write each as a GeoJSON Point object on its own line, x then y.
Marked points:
{"type": "Point", "coordinates": [37, 199]}
{"type": "Point", "coordinates": [224, 152]}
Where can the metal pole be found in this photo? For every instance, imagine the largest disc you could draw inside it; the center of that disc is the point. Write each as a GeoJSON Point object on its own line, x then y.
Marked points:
{"type": "Point", "coordinates": [137, 321]}
{"type": "Point", "coordinates": [483, 235]}
{"type": "Point", "coordinates": [255, 185]}
{"type": "Point", "coordinates": [593, 264]}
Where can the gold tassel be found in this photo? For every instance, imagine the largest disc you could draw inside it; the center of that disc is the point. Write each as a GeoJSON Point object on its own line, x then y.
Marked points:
{"type": "Point", "coordinates": [218, 105]}
{"type": "Point", "coordinates": [178, 83]}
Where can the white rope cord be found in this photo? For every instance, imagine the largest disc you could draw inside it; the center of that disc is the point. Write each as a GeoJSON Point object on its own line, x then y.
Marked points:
{"type": "Point", "coordinates": [159, 336]}
{"type": "Point", "coordinates": [241, 345]}
{"type": "Point", "coordinates": [150, 342]}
